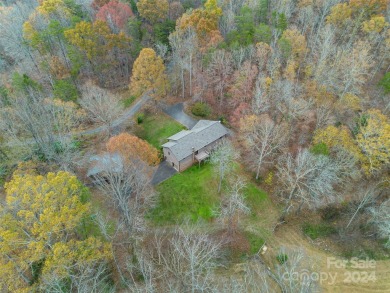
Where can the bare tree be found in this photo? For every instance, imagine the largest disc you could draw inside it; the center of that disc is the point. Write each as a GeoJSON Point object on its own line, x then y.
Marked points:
{"type": "Point", "coordinates": [380, 217]}
{"type": "Point", "coordinates": [232, 206]}
{"type": "Point", "coordinates": [309, 179]}
{"type": "Point", "coordinates": [186, 261]}
{"type": "Point", "coordinates": [222, 158]}
{"type": "Point", "coordinates": [219, 71]}
{"type": "Point", "coordinates": [101, 105]}
{"type": "Point", "coordinates": [366, 197]}
{"type": "Point", "coordinates": [128, 185]}
{"type": "Point", "coordinates": [264, 139]}
{"type": "Point", "coordinates": [293, 274]}
{"type": "Point", "coordinates": [11, 34]}
{"type": "Point", "coordinates": [287, 96]}
{"type": "Point", "coordinates": [324, 116]}
{"type": "Point", "coordinates": [86, 278]}
{"type": "Point", "coordinates": [29, 119]}
{"type": "Point", "coordinates": [256, 278]}
{"type": "Point", "coordinates": [184, 45]}
{"type": "Point", "coordinates": [290, 266]}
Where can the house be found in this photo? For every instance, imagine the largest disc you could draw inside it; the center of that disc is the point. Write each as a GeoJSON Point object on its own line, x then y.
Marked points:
{"type": "Point", "coordinates": [189, 146]}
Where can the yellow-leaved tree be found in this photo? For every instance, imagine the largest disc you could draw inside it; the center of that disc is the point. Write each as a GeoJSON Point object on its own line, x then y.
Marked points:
{"type": "Point", "coordinates": [338, 137]}
{"type": "Point", "coordinates": [153, 10]}
{"type": "Point", "coordinates": [148, 74]}
{"type": "Point", "coordinates": [374, 139]}
{"type": "Point", "coordinates": [42, 241]}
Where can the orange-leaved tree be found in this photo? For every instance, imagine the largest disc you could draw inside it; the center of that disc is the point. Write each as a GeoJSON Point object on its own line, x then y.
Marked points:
{"type": "Point", "coordinates": [204, 20]}
{"type": "Point", "coordinates": [130, 147]}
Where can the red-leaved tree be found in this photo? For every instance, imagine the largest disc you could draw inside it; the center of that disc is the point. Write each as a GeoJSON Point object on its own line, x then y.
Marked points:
{"type": "Point", "coordinates": [115, 13]}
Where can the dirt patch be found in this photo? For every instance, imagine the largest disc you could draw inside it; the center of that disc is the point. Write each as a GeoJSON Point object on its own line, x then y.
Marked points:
{"type": "Point", "coordinates": [322, 259]}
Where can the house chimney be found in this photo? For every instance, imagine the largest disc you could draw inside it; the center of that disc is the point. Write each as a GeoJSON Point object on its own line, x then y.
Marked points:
{"type": "Point", "coordinates": [193, 154]}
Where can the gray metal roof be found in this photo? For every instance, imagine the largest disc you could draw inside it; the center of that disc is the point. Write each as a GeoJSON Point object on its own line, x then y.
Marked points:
{"type": "Point", "coordinates": [202, 134]}
{"type": "Point", "coordinates": [103, 162]}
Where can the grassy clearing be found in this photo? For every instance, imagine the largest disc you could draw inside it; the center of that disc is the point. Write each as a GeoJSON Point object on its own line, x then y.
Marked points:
{"type": "Point", "coordinates": [127, 102]}
{"type": "Point", "coordinates": [88, 225]}
{"type": "Point", "coordinates": [155, 129]}
{"type": "Point", "coordinates": [255, 242]}
{"type": "Point", "coordinates": [188, 195]}
{"type": "Point", "coordinates": [315, 231]}
{"type": "Point", "coordinates": [256, 198]}
{"type": "Point", "coordinates": [193, 195]}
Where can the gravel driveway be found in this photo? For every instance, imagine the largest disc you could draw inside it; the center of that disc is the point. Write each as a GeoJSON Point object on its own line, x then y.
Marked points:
{"type": "Point", "coordinates": [163, 172]}
{"type": "Point", "coordinates": [177, 113]}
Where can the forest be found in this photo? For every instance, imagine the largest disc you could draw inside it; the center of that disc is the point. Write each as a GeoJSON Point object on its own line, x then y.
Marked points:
{"type": "Point", "coordinates": [302, 179]}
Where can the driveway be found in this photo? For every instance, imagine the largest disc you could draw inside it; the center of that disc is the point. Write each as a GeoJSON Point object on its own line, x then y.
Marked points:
{"type": "Point", "coordinates": [177, 113]}
{"type": "Point", "coordinates": [163, 172]}
{"type": "Point", "coordinates": [129, 113]}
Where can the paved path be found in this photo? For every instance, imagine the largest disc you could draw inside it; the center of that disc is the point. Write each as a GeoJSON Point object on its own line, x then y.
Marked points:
{"type": "Point", "coordinates": [163, 172]}
{"type": "Point", "coordinates": [128, 114]}
{"type": "Point", "coordinates": [177, 113]}
{"type": "Point", "coordinates": [120, 120]}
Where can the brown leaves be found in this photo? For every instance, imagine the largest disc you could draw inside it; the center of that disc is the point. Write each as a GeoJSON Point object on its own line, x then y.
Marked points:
{"type": "Point", "coordinates": [130, 146]}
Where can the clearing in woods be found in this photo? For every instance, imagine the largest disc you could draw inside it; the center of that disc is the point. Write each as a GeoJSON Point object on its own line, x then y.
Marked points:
{"type": "Point", "coordinates": [346, 279]}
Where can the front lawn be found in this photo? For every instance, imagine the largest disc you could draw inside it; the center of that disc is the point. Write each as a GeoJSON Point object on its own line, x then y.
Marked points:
{"type": "Point", "coordinates": [193, 195]}
{"type": "Point", "coordinates": [155, 129]}
{"type": "Point", "coordinates": [188, 195]}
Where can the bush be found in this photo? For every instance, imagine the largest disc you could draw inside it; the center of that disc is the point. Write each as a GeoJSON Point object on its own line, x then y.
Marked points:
{"type": "Point", "coordinates": [223, 120]}
{"type": "Point", "coordinates": [255, 242]}
{"type": "Point", "coordinates": [65, 90]}
{"type": "Point", "coordinates": [385, 83]}
{"type": "Point", "coordinates": [282, 258]}
{"type": "Point", "coordinates": [315, 231]}
{"type": "Point", "coordinates": [330, 213]}
{"type": "Point", "coordinates": [320, 149]}
{"type": "Point", "coordinates": [128, 101]}
{"type": "Point", "coordinates": [140, 118]}
{"type": "Point", "coordinates": [263, 33]}
{"type": "Point", "coordinates": [200, 109]}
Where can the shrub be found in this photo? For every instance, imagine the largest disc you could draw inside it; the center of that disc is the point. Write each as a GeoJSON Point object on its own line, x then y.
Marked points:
{"type": "Point", "coordinates": [140, 118]}
{"type": "Point", "coordinates": [65, 90]}
{"type": "Point", "coordinates": [200, 109]}
{"type": "Point", "coordinates": [282, 258]}
{"type": "Point", "coordinates": [318, 230]}
{"type": "Point", "coordinates": [330, 213]}
{"type": "Point", "coordinates": [385, 83]}
{"type": "Point", "coordinates": [320, 149]}
{"type": "Point", "coordinates": [255, 242]}
{"type": "Point", "coordinates": [223, 120]}
{"type": "Point", "coordinates": [269, 179]}
{"type": "Point", "coordinates": [128, 101]}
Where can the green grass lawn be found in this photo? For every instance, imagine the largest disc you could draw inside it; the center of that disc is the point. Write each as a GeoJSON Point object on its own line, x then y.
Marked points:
{"type": "Point", "coordinates": [315, 231]}
{"type": "Point", "coordinates": [155, 129]}
{"type": "Point", "coordinates": [193, 195]}
{"type": "Point", "coordinates": [188, 195]}
{"type": "Point", "coordinates": [255, 197]}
